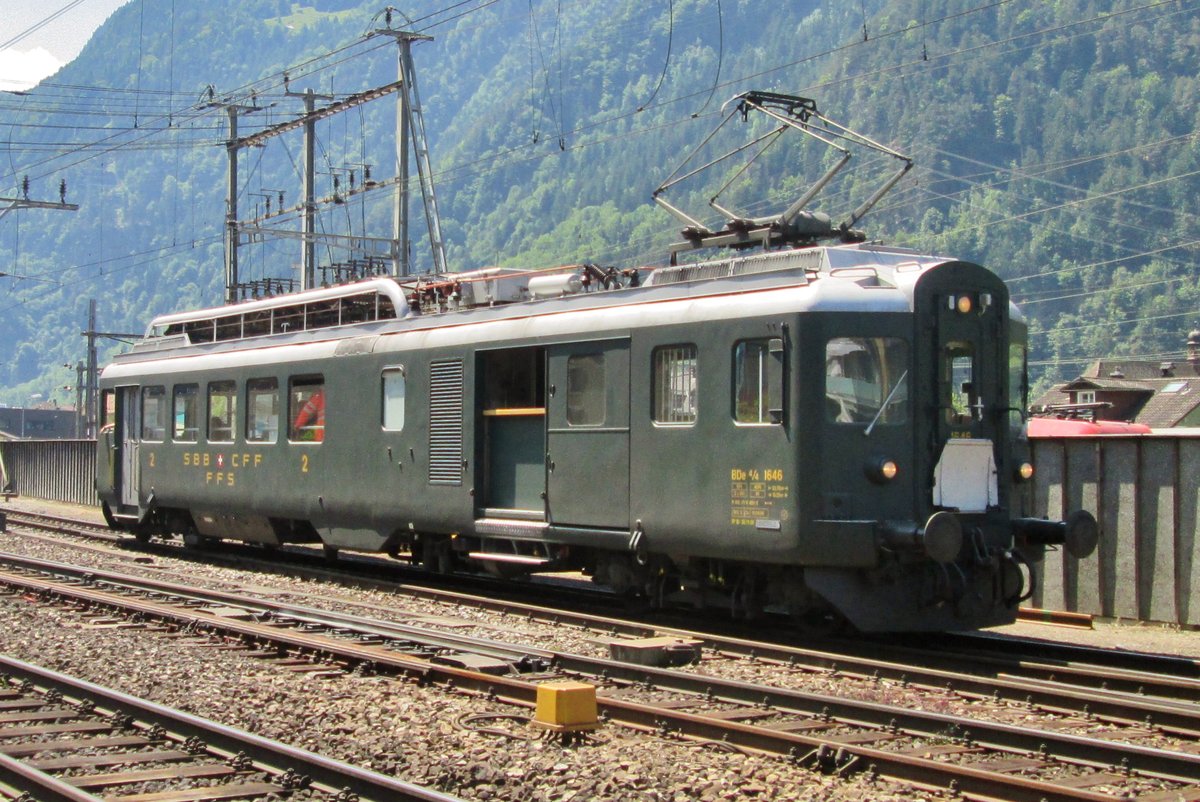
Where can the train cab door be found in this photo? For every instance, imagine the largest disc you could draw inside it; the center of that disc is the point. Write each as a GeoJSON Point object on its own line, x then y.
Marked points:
{"type": "Point", "coordinates": [127, 438]}
{"type": "Point", "coordinates": [970, 363]}
{"type": "Point", "coordinates": [587, 434]}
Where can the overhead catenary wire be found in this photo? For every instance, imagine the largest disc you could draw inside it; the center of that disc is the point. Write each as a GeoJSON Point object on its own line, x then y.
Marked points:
{"type": "Point", "coordinates": [1117, 357]}
{"type": "Point", "coordinates": [37, 26]}
{"type": "Point", "coordinates": [666, 61]}
{"type": "Point", "coordinates": [977, 9]}
{"type": "Point", "coordinates": [1078, 204]}
{"type": "Point", "coordinates": [562, 133]}
{"type": "Point", "coordinates": [720, 57]}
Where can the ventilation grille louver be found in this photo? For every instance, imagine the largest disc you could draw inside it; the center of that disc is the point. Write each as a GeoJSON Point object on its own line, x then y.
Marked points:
{"type": "Point", "coordinates": [446, 422]}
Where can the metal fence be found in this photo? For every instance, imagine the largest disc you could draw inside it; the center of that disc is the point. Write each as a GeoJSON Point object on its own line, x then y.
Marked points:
{"type": "Point", "coordinates": [1145, 492]}
{"type": "Point", "coordinates": [55, 470]}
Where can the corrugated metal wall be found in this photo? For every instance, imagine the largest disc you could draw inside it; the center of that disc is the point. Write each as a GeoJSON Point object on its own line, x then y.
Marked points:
{"type": "Point", "coordinates": [56, 470]}
{"type": "Point", "coordinates": [1144, 491]}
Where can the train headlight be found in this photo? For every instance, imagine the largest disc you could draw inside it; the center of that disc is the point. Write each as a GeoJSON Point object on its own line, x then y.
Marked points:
{"type": "Point", "coordinates": [882, 470]}
{"type": "Point", "coordinates": [1024, 472]}
{"type": "Point", "coordinates": [963, 304]}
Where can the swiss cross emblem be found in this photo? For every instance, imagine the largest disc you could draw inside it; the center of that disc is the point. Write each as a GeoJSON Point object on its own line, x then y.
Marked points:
{"type": "Point", "coordinates": [220, 460]}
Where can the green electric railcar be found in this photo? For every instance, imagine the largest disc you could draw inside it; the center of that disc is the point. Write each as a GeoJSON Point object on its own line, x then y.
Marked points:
{"type": "Point", "coordinates": [835, 432]}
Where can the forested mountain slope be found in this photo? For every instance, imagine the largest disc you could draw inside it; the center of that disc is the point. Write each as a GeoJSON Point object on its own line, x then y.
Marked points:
{"type": "Point", "coordinates": [1054, 142]}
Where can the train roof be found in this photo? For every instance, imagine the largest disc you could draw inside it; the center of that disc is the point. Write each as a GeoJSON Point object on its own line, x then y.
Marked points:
{"type": "Point", "coordinates": [858, 277]}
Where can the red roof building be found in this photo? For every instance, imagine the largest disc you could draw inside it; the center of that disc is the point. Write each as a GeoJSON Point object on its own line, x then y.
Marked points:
{"type": "Point", "coordinates": [1161, 395]}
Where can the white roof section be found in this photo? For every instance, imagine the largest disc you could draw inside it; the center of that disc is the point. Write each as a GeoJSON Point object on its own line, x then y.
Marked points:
{"type": "Point", "coordinates": [383, 286]}
{"type": "Point", "coordinates": [495, 304]}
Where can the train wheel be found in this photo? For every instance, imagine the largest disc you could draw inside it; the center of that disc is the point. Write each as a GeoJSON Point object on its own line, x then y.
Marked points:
{"type": "Point", "coordinates": [141, 534]}
{"type": "Point", "coordinates": [331, 552]}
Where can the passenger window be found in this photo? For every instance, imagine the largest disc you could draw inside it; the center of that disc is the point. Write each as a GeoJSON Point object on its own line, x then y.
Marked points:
{"type": "Point", "coordinates": [262, 411]}
{"type": "Point", "coordinates": [674, 384]}
{"type": "Point", "coordinates": [358, 308]}
{"type": "Point", "coordinates": [386, 310]}
{"type": "Point", "coordinates": [108, 405]}
{"type": "Point", "coordinates": [393, 399]}
{"type": "Point", "coordinates": [222, 411]}
{"type": "Point", "coordinates": [200, 331]}
{"type": "Point", "coordinates": [866, 380]}
{"type": "Point", "coordinates": [323, 314]}
{"type": "Point", "coordinates": [186, 413]}
{"type": "Point", "coordinates": [154, 413]}
{"type": "Point", "coordinates": [289, 318]}
{"type": "Point", "coordinates": [306, 409]}
{"type": "Point", "coordinates": [256, 324]}
{"type": "Point", "coordinates": [585, 390]}
{"type": "Point", "coordinates": [229, 328]}
{"type": "Point", "coordinates": [758, 381]}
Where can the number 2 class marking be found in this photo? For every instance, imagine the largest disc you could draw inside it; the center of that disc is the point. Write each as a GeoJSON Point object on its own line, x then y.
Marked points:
{"type": "Point", "coordinates": [303, 463]}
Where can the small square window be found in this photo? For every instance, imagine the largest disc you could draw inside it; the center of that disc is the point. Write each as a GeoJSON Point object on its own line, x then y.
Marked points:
{"type": "Point", "coordinates": [674, 383]}
{"type": "Point", "coordinates": [585, 390]}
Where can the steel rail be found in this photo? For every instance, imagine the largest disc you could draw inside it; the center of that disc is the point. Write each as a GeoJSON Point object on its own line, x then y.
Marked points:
{"type": "Point", "coordinates": [1077, 749]}
{"type": "Point", "coordinates": [1072, 652]}
{"type": "Point", "coordinates": [1109, 695]}
{"type": "Point", "coordinates": [1180, 719]}
{"type": "Point", "coordinates": [41, 786]}
{"type": "Point", "coordinates": [1136, 673]}
{"type": "Point", "coordinates": [192, 620]}
{"type": "Point", "coordinates": [331, 776]}
{"type": "Point", "coordinates": [281, 612]}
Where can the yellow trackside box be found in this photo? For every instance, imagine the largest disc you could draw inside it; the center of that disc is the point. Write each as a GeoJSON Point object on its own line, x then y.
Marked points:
{"type": "Point", "coordinates": [566, 705]}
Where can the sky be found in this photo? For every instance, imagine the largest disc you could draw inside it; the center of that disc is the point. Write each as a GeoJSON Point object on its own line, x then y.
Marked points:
{"type": "Point", "coordinates": [42, 52]}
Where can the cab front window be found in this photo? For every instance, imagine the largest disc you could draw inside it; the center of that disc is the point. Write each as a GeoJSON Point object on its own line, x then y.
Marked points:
{"type": "Point", "coordinates": [866, 380]}
{"type": "Point", "coordinates": [960, 391]}
{"type": "Point", "coordinates": [1018, 384]}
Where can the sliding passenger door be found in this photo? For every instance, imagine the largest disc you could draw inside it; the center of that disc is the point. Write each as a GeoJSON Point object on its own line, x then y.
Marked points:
{"type": "Point", "coordinates": [587, 434]}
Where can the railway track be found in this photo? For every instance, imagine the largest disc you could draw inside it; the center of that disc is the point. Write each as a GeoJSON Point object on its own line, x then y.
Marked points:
{"type": "Point", "coordinates": [66, 740]}
{"type": "Point", "coordinates": [827, 731]}
{"type": "Point", "coordinates": [1018, 669]}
